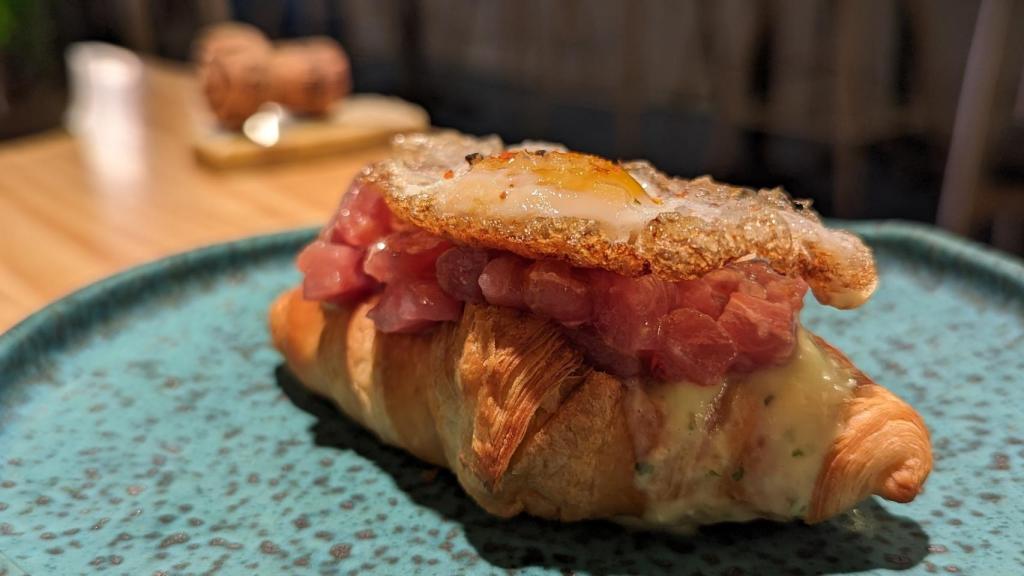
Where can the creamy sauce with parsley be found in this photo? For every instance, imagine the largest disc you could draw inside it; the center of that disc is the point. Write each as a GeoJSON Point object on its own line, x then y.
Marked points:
{"type": "Point", "coordinates": [695, 477]}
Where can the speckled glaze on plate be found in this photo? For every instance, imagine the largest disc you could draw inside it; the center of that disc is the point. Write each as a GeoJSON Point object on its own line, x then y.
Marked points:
{"type": "Point", "coordinates": [146, 426]}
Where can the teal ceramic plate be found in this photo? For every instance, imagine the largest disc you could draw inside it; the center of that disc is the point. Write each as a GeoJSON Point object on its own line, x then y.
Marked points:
{"type": "Point", "coordinates": [147, 427]}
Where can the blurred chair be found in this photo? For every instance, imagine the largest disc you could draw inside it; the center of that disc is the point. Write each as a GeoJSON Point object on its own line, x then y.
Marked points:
{"type": "Point", "coordinates": [827, 73]}
{"type": "Point", "coordinates": [984, 180]}
{"type": "Point", "coordinates": [823, 73]}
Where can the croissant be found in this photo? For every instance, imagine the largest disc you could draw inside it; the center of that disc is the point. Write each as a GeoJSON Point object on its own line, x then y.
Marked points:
{"type": "Point", "coordinates": [576, 338]}
{"type": "Point", "coordinates": [506, 402]}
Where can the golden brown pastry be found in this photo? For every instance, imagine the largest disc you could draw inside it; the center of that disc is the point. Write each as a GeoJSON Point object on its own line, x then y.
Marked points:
{"type": "Point", "coordinates": [233, 64]}
{"type": "Point", "coordinates": [565, 451]}
{"type": "Point", "coordinates": [308, 76]}
{"type": "Point", "coordinates": [225, 38]}
{"type": "Point", "coordinates": [576, 393]}
{"type": "Point", "coordinates": [239, 71]}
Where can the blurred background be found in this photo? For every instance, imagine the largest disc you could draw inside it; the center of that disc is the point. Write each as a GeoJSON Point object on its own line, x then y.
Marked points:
{"type": "Point", "coordinates": [909, 109]}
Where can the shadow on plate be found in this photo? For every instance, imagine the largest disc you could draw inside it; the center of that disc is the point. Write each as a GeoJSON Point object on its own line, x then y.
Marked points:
{"type": "Point", "coordinates": [867, 537]}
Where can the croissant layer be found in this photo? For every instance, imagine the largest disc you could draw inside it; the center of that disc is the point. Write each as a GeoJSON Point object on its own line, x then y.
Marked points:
{"type": "Point", "coordinates": [514, 410]}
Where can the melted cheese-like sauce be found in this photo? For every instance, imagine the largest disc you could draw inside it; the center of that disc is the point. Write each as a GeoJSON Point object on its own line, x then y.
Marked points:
{"type": "Point", "coordinates": [697, 477]}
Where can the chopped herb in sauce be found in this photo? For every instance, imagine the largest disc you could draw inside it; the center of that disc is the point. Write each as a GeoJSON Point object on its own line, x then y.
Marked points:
{"type": "Point", "coordinates": [769, 399]}
{"type": "Point", "coordinates": [737, 474]}
{"type": "Point", "coordinates": [714, 474]}
{"type": "Point", "coordinates": [798, 453]}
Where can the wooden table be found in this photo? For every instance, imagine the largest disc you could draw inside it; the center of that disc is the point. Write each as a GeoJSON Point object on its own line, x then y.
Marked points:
{"type": "Point", "coordinates": [125, 188]}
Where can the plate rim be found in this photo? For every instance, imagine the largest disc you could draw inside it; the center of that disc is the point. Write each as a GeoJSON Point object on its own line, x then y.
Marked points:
{"type": "Point", "coordinates": [44, 324]}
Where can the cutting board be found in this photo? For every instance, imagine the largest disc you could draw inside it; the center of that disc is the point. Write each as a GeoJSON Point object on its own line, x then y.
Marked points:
{"type": "Point", "coordinates": [358, 121]}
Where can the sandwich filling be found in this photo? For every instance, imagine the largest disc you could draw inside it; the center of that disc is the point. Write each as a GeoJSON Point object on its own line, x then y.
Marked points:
{"type": "Point", "coordinates": [732, 320]}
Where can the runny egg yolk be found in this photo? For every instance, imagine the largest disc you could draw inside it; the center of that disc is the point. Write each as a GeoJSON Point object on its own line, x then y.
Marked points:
{"type": "Point", "coordinates": [569, 172]}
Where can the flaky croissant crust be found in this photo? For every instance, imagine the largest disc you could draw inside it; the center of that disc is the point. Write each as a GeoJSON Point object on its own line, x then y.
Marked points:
{"type": "Point", "coordinates": [505, 402]}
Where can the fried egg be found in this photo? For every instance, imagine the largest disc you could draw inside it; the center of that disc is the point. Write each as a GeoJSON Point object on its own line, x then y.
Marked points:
{"type": "Point", "coordinates": [542, 201]}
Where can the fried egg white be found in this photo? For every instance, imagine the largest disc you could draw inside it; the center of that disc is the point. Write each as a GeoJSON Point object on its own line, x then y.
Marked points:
{"type": "Point", "coordinates": [541, 201]}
